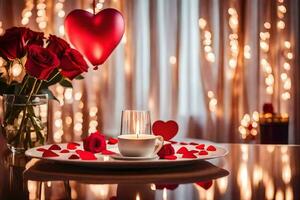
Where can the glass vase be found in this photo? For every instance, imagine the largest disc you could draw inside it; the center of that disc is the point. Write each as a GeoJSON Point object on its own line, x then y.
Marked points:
{"type": "Point", "coordinates": [25, 121]}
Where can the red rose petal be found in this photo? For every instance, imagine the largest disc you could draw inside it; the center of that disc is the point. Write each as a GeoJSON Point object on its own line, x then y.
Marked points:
{"type": "Point", "coordinates": [203, 153]}
{"type": "Point", "coordinates": [86, 155]}
{"type": "Point", "coordinates": [189, 155]}
{"type": "Point", "coordinates": [206, 185]}
{"type": "Point", "coordinates": [182, 150]}
{"type": "Point", "coordinates": [173, 142]}
{"type": "Point", "coordinates": [200, 146]}
{"type": "Point", "coordinates": [54, 147]}
{"type": "Point", "coordinates": [211, 148]}
{"type": "Point", "coordinates": [183, 143]}
{"type": "Point", "coordinates": [193, 143]}
{"type": "Point", "coordinates": [72, 145]}
{"type": "Point", "coordinates": [41, 149]}
{"type": "Point", "coordinates": [49, 153]}
{"type": "Point", "coordinates": [112, 141]}
{"type": "Point", "coordinates": [170, 157]}
{"type": "Point", "coordinates": [65, 151]}
{"type": "Point", "coordinates": [193, 151]}
{"type": "Point", "coordinates": [73, 157]}
{"type": "Point", "coordinates": [107, 152]}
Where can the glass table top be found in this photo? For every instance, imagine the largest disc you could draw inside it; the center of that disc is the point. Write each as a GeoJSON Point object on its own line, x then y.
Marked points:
{"type": "Point", "coordinates": [247, 172]}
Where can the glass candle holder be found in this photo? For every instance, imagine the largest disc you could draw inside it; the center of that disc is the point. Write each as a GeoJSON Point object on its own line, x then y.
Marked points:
{"type": "Point", "coordinates": [274, 128]}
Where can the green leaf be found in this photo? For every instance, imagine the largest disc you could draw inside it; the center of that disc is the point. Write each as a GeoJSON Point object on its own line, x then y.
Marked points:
{"type": "Point", "coordinates": [66, 83]}
{"type": "Point", "coordinates": [50, 94]}
{"type": "Point", "coordinates": [79, 77]}
{"type": "Point", "coordinates": [57, 78]}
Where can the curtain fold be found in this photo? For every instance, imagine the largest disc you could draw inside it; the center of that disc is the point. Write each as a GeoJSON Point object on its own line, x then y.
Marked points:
{"type": "Point", "coordinates": [203, 63]}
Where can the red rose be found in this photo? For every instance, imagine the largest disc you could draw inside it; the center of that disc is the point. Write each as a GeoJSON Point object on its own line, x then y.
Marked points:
{"type": "Point", "coordinates": [94, 143]}
{"type": "Point", "coordinates": [166, 150]}
{"type": "Point", "coordinates": [12, 43]}
{"type": "Point", "coordinates": [72, 64]}
{"type": "Point", "coordinates": [40, 62]}
{"type": "Point", "coordinates": [32, 37]}
{"type": "Point", "coordinates": [57, 45]}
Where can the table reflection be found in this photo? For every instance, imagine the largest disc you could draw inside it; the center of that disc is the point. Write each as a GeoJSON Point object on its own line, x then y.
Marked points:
{"type": "Point", "coordinates": [248, 172]}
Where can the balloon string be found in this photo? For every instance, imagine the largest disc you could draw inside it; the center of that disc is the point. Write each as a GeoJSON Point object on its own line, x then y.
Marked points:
{"type": "Point", "coordinates": [94, 7]}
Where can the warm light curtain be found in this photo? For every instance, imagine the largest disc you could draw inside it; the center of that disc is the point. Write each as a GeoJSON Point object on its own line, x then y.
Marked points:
{"type": "Point", "coordinates": [204, 63]}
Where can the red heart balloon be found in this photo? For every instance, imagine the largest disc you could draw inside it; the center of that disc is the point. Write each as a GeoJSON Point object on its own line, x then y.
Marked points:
{"type": "Point", "coordinates": [95, 36]}
{"type": "Point", "coordinates": [167, 130]}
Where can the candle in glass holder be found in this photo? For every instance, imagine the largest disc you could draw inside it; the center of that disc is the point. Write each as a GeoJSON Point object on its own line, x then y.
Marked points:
{"type": "Point", "coordinates": [274, 128]}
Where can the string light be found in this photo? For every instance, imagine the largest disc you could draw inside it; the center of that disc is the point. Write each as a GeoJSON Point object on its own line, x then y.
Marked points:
{"type": "Point", "coordinates": [202, 23]}
{"type": "Point", "coordinates": [59, 9]}
{"type": "Point", "coordinates": [27, 12]}
{"type": "Point", "coordinates": [16, 69]}
{"type": "Point", "coordinates": [172, 60]}
{"type": "Point", "coordinates": [247, 51]}
{"type": "Point", "coordinates": [233, 40]}
{"type": "Point", "coordinates": [249, 126]}
{"type": "Point", "coordinates": [41, 14]}
{"type": "Point", "coordinates": [264, 63]}
{"type": "Point", "coordinates": [212, 101]}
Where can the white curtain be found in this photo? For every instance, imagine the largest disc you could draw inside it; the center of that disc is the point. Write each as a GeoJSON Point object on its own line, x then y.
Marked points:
{"type": "Point", "coordinates": [204, 77]}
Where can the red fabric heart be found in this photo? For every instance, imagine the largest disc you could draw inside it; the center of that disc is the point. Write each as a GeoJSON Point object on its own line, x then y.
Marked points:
{"type": "Point", "coordinates": [112, 141]}
{"type": "Point", "coordinates": [65, 151]}
{"type": "Point", "coordinates": [205, 185]}
{"type": "Point", "coordinates": [86, 155]}
{"type": "Point", "coordinates": [49, 153]}
{"type": "Point", "coordinates": [107, 152]}
{"type": "Point", "coordinates": [200, 146]}
{"type": "Point", "coordinates": [193, 151]}
{"type": "Point", "coordinates": [193, 143]}
{"type": "Point", "coordinates": [167, 186]}
{"type": "Point", "coordinates": [211, 148]}
{"type": "Point", "coordinates": [166, 150]}
{"type": "Point", "coordinates": [73, 157]}
{"type": "Point", "coordinates": [41, 149]}
{"type": "Point", "coordinates": [203, 153]}
{"type": "Point", "coordinates": [167, 130]}
{"type": "Point", "coordinates": [183, 143]}
{"type": "Point", "coordinates": [182, 150]}
{"type": "Point", "coordinates": [95, 36]}
{"type": "Point", "coordinates": [170, 157]}
{"type": "Point", "coordinates": [54, 147]}
{"type": "Point", "coordinates": [72, 145]}
{"type": "Point", "coordinates": [189, 155]}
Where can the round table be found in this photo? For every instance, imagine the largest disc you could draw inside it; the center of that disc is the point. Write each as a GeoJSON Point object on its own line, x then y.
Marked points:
{"type": "Point", "coordinates": [247, 172]}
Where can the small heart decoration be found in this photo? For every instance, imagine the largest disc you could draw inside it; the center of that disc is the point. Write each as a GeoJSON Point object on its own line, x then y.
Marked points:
{"type": "Point", "coordinates": [205, 185]}
{"type": "Point", "coordinates": [72, 145]}
{"type": "Point", "coordinates": [95, 36]}
{"type": "Point", "coordinates": [107, 152]}
{"type": "Point", "coordinates": [112, 141]}
{"type": "Point", "coordinates": [65, 151]}
{"type": "Point", "coordinates": [211, 148]}
{"type": "Point", "coordinates": [203, 153]}
{"type": "Point", "coordinates": [54, 147]}
{"type": "Point", "coordinates": [49, 153]}
{"type": "Point", "coordinates": [86, 155]}
{"type": "Point", "coordinates": [167, 130]}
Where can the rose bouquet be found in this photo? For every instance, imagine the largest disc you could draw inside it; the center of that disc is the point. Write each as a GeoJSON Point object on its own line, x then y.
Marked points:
{"type": "Point", "coordinates": [29, 65]}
